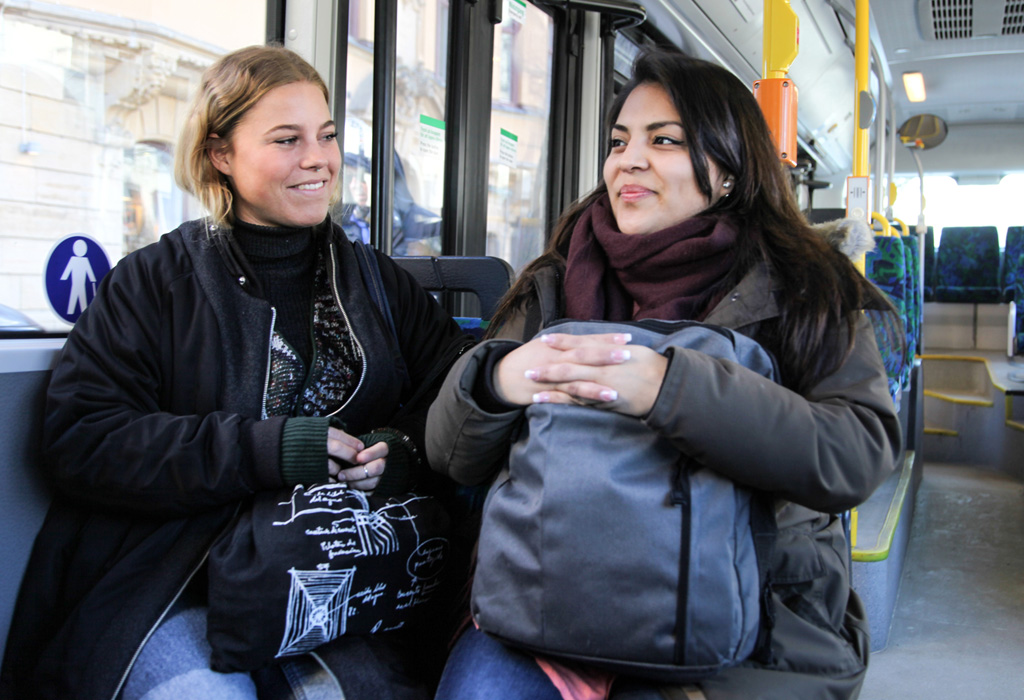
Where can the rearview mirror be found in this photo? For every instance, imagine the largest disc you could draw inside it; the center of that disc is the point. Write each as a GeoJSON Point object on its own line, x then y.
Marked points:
{"type": "Point", "coordinates": [923, 131]}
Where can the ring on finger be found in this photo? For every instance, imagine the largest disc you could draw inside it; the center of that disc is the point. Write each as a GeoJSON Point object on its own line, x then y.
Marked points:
{"type": "Point", "coordinates": [366, 472]}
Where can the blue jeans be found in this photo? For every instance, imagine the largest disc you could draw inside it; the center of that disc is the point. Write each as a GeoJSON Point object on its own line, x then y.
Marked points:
{"type": "Point", "coordinates": [481, 668]}
{"type": "Point", "coordinates": [175, 664]}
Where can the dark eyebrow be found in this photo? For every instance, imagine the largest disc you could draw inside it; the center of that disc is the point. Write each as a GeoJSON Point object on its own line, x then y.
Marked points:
{"type": "Point", "coordinates": [650, 127]}
{"type": "Point", "coordinates": [660, 125]}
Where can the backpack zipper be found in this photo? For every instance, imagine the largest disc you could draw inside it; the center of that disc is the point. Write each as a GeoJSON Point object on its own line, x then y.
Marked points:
{"type": "Point", "coordinates": [681, 497]}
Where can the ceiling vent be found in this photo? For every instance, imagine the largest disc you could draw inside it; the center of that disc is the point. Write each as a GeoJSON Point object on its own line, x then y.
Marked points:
{"type": "Point", "coordinates": [969, 19]}
{"type": "Point", "coordinates": [1013, 18]}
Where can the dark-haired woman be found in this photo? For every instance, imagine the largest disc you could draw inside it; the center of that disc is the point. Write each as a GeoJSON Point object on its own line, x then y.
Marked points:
{"type": "Point", "coordinates": [694, 220]}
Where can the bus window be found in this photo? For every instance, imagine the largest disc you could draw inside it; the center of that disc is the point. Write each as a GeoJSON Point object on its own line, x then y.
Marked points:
{"type": "Point", "coordinates": [94, 93]}
{"type": "Point", "coordinates": [975, 201]}
{"type": "Point", "coordinates": [520, 113]}
{"type": "Point", "coordinates": [420, 65]}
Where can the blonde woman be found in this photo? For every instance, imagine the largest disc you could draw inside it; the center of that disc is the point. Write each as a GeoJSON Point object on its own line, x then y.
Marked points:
{"type": "Point", "coordinates": [221, 361]}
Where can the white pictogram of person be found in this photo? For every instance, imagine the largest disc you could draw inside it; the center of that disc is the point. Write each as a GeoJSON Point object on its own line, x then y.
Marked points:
{"type": "Point", "coordinates": [80, 270]}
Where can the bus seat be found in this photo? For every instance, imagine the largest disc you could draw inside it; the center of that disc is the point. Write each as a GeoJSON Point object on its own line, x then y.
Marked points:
{"type": "Point", "coordinates": [913, 295]}
{"type": "Point", "coordinates": [886, 267]}
{"type": "Point", "coordinates": [485, 276]}
{"type": "Point", "coordinates": [1016, 330]}
{"type": "Point", "coordinates": [24, 498]}
{"type": "Point", "coordinates": [488, 278]}
{"type": "Point", "coordinates": [1013, 263]}
{"type": "Point", "coordinates": [967, 265]}
{"type": "Point", "coordinates": [929, 265]}
{"type": "Point", "coordinates": [912, 247]}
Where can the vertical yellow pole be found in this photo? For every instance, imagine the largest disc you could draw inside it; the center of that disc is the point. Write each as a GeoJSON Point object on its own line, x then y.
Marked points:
{"type": "Point", "coordinates": [858, 184]}
{"type": "Point", "coordinates": [863, 112]}
{"type": "Point", "coordinates": [864, 107]}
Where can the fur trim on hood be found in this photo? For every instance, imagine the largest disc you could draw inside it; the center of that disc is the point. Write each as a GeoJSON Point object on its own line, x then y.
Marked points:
{"type": "Point", "coordinates": [851, 237]}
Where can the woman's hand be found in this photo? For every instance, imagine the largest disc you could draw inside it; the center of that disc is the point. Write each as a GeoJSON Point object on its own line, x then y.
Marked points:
{"type": "Point", "coordinates": [600, 370]}
{"type": "Point", "coordinates": [352, 463]}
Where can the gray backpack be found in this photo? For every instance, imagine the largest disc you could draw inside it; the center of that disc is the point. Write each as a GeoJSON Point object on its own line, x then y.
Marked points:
{"type": "Point", "coordinates": [604, 544]}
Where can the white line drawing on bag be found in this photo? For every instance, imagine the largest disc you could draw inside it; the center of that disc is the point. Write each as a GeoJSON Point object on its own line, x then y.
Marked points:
{"type": "Point", "coordinates": [321, 601]}
{"type": "Point", "coordinates": [376, 533]}
{"type": "Point", "coordinates": [317, 609]}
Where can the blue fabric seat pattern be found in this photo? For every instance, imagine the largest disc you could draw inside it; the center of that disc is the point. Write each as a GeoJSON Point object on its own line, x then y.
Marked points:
{"type": "Point", "coordinates": [1018, 331]}
{"type": "Point", "coordinates": [1013, 264]}
{"type": "Point", "coordinates": [967, 265]}
{"type": "Point", "coordinates": [1013, 280]}
{"type": "Point", "coordinates": [473, 325]}
{"type": "Point", "coordinates": [886, 266]}
{"type": "Point", "coordinates": [929, 264]}
{"type": "Point", "coordinates": [915, 303]}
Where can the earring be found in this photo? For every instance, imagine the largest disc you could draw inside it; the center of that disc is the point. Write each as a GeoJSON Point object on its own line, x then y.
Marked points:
{"type": "Point", "coordinates": [727, 185]}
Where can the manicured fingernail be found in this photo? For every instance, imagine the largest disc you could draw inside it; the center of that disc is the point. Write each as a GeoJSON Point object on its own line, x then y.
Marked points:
{"type": "Point", "coordinates": [623, 337]}
{"type": "Point", "coordinates": [542, 397]}
{"type": "Point", "coordinates": [620, 355]}
{"type": "Point", "coordinates": [532, 374]}
{"type": "Point", "coordinates": [609, 395]}
{"type": "Point", "coordinates": [546, 339]}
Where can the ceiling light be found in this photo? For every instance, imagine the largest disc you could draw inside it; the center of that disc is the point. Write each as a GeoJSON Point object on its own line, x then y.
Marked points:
{"type": "Point", "coordinates": [913, 83]}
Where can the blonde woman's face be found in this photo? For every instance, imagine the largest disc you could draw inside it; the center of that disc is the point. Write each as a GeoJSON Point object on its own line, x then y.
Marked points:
{"type": "Point", "coordinates": [283, 158]}
{"type": "Point", "coordinates": [648, 171]}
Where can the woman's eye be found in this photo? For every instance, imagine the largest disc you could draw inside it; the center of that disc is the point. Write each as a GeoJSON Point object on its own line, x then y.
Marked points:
{"type": "Point", "coordinates": [668, 141]}
{"type": "Point", "coordinates": [330, 137]}
{"type": "Point", "coordinates": [614, 143]}
{"type": "Point", "coordinates": [288, 141]}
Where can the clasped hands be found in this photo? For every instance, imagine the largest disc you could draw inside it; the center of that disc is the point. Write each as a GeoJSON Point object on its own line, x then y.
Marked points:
{"type": "Point", "coordinates": [352, 463]}
{"type": "Point", "coordinates": [602, 370]}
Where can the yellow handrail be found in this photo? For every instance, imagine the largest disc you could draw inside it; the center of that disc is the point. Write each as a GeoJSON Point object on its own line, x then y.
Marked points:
{"type": "Point", "coordinates": [886, 226]}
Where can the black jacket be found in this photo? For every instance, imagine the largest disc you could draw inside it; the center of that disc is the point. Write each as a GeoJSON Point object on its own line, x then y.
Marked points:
{"type": "Point", "coordinates": [154, 436]}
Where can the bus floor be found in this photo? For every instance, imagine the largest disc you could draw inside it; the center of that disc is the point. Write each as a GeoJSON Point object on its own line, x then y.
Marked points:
{"type": "Point", "coordinates": [958, 628]}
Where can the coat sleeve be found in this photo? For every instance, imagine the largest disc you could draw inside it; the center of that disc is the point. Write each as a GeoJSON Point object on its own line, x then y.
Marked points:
{"type": "Point", "coordinates": [464, 441]}
{"type": "Point", "coordinates": [827, 450]}
{"type": "Point", "coordinates": [118, 432]}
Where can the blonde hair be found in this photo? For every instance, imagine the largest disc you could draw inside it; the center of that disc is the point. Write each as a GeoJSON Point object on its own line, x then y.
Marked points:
{"type": "Point", "coordinates": [228, 90]}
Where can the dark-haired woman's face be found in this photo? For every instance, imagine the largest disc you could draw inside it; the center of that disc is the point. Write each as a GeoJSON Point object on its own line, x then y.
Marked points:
{"type": "Point", "coordinates": [648, 172]}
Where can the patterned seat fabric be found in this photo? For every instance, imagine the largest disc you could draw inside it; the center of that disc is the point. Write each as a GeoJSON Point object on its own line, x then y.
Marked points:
{"type": "Point", "coordinates": [967, 265]}
{"type": "Point", "coordinates": [915, 306]}
{"type": "Point", "coordinates": [886, 266]}
{"type": "Point", "coordinates": [1018, 330]}
{"type": "Point", "coordinates": [890, 343]}
{"type": "Point", "coordinates": [929, 265]}
{"type": "Point", "coordinates": [473, 325]}
{"type": "Point", "coordinates": [1013, 263]}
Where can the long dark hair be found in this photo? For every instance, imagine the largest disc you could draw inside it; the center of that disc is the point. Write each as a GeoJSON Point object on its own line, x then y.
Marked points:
{"type": "Point", "coordinates": [821, 290]}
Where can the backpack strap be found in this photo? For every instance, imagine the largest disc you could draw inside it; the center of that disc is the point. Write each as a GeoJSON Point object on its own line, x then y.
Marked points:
{"type": "Point", "coordinates": [369, 268]}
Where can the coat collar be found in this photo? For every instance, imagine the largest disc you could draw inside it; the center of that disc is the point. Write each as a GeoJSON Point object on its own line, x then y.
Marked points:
{"type": "Point", "coordinates": [751, 301]}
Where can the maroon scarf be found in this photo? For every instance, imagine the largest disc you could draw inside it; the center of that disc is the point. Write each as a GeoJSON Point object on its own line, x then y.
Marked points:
{"type": "Point", "coordinates": [614, 276]}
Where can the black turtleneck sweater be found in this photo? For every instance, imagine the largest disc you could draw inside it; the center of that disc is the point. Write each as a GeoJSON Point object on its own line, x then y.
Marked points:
{"type": "Point", "coordinates": [284, 261]}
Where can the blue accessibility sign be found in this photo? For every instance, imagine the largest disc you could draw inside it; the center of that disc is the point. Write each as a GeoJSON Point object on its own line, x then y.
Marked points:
{"type": "Point", "coordinates": [74, 269]}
